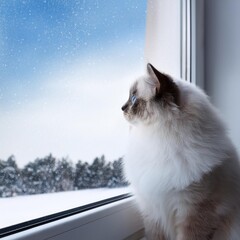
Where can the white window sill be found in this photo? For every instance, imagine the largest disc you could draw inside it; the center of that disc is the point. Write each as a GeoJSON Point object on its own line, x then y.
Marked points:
{"type": "Point", "coordinates": [118, 220]}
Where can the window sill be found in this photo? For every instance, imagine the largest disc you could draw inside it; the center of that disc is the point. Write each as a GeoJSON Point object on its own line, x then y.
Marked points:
{"type": "Point", "coordinates": [118, 220]}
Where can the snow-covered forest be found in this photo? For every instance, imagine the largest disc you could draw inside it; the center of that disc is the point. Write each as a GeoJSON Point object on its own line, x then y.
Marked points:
{"type": "Point", "coordinates": [49, 174]}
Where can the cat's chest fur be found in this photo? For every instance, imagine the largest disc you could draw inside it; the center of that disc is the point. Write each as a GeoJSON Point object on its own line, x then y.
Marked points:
{"type": "Point", "coordinates": [157, 162]}
{"type": "Point", "coordinates": [158, 170]}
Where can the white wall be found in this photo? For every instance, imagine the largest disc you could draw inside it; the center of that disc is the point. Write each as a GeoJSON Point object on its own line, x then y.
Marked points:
{"type": "Point", "coordinates": [163, 36]}
{"type": "Point", "coordinates": [222, 60]}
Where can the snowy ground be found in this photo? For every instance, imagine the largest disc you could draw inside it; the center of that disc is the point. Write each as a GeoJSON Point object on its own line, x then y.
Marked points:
{"type": "Point", "coordinates": [20, 209]}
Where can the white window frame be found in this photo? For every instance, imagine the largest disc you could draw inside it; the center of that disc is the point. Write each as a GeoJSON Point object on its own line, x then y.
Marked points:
{"type": "Point", "coordinates": [175, 48]}
{"type": "Point", "coordinates": [192, 41]}
{"type": "Point", "coordinates": [118, 220]}
{"type": "Point", "coordinates": [197, 42]}
{"type": "Point", "coordinates": [175, 38]}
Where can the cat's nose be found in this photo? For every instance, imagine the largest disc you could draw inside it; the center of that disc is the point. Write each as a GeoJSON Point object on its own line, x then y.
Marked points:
{"type": "Point", "coordinates": [124, 107]}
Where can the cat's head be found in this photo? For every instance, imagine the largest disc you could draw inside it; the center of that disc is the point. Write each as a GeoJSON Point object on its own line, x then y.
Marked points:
{"type": "Point", "coordinates": [150, 96]}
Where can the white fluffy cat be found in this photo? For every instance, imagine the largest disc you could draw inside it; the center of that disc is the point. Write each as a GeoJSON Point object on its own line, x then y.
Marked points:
{"type": "Point", "coordinates": [182, 166]}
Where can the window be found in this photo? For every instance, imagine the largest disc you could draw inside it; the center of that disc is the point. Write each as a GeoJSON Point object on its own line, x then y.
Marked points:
{"type": "Point", "coordinates": [64, 68]}
{"type": "Point", "coordinates": [175, 38]}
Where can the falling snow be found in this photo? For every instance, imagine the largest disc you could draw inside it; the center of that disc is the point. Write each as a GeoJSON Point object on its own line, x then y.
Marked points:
{"type": "Point", "coordinates": [65, 69]}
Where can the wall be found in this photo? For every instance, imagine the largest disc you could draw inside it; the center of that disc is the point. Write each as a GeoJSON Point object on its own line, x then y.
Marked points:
{"type": "Point", "coordinates": [222, 60]}
{"type": "Point", "coordinates": [163, 35]}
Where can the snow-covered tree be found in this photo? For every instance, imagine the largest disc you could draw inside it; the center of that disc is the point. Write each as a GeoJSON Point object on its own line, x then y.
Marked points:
{"type": "Point", "coordinates": [48, 174]}
{"type": "Point", "coordinates": [117, 179]}
{"type": "Point", "coordinates": [10, 180]}
{"type": "Point", "coordinates": [97, 172]}
{"type": "Point", "coordinates": [82, 175]}
{"type": "Point", "coordinates": [64, 175]}
{"type": "Point", "coordinates": [38, 176]}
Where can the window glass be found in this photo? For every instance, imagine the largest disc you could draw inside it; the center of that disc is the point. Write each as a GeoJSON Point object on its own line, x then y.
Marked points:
{"type": "Point", "coordinates": [65, 73]}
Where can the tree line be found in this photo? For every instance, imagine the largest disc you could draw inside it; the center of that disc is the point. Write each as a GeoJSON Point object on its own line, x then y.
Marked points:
{"type": "Point", "coordinates": [48, 175]}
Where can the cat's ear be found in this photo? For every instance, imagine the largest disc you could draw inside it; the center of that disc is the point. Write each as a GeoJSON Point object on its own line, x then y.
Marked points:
{"type": "Point", "coordinates": [165, 83]}
{"type": "Point", "coordinates": [154, 80]}
{"type": "Point", "coordinates": [158, 77]}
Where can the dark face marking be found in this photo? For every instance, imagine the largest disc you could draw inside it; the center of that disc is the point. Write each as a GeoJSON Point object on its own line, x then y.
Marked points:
{"type": "Point", "coordinates": [125, 106]}
{"type": "Point", "coordinates": [134, 109]}
{"type": "Point", "coordinates": [139, 107]}
{"type": "Point", "coordinates": [133, 91]}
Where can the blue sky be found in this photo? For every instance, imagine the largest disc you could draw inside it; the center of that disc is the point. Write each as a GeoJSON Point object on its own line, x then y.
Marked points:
{"type": "Point", "coordinates": [53, 56]}
{"type": "Point", "coordinates": [35, 33]}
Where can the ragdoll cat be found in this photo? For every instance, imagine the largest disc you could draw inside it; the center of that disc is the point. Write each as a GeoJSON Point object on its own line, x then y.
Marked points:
{"type": "Point", "coordinates": [183, 168]}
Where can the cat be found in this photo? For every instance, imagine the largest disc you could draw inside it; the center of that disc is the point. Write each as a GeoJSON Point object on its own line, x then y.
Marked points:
{"type": "Point", "coordinates": [182, 166]}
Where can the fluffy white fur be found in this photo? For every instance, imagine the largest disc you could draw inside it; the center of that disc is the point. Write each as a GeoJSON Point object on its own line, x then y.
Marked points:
{"type": "Point", "coordinates": [175, 148]}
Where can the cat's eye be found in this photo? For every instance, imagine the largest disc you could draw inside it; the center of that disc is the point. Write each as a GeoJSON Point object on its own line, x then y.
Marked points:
{"type": "Point", "coordinates": [133, 99]}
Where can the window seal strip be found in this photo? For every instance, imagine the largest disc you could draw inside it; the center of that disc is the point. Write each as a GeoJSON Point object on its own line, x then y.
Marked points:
{"type": "Point", "coordinates": [57, 216]}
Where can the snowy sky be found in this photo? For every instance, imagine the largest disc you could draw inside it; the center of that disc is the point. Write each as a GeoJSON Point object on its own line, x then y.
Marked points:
{"type": "Point", "coordinates": [66, 67]}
